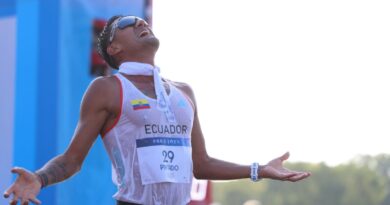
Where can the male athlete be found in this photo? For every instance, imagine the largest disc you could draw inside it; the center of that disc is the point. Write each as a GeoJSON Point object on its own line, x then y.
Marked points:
{"type": "Point", "coordinates": [149, 126]}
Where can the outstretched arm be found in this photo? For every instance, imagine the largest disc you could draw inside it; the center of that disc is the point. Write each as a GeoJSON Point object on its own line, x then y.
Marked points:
{"type": "Point", "coordinates": [206, 167]}
{"type": "Point", "coordinates": [95, 111]}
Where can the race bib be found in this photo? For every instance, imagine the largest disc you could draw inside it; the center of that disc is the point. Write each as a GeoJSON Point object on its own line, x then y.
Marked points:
{"type": "Point", "coordinates": [165, 159]}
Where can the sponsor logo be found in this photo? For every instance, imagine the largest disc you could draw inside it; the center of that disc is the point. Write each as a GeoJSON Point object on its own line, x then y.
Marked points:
{"type": "Point", "coordinates": [182, 103]}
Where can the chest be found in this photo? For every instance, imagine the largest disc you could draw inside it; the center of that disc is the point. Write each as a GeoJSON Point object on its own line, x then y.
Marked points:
{"type": "Point", "coordinates": [140, 111]}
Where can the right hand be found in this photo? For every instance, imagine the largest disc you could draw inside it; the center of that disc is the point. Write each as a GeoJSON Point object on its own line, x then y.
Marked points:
{"type": "Point", "coordinates": [275, 170]}
{"type": "Point", "coordinates": [25, 189]}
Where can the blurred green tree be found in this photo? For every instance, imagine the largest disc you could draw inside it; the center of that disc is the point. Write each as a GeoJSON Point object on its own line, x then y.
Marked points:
{"type": "Point", "coordinates": [362, 181]}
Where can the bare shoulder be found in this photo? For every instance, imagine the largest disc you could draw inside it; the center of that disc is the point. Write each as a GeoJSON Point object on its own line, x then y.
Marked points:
{"type": "Point", "coordinates": [104, 83]}
{"type": "Point", "coordinates": [103, 91]}
{"type": "Point", "coordinates": [187, 91]}
{"type": "Point", "coordinates": [184, 87]}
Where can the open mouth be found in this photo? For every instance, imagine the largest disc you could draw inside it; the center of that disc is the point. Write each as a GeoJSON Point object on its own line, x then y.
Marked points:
{"type": "Point", "coordinates": [143, 33]}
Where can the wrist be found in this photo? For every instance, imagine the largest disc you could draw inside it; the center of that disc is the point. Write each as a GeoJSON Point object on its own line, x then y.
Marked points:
{"type": "Point", "coordinates": [255, 172]}
{"type": "Point", "coordinates": [261, 171]}
{"type": "Point", "coordinates": [40, 180]}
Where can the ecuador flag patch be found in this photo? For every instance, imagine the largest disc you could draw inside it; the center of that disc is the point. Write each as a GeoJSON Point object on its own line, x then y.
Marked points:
{"type": "Point", "coordinates": [140, 104]}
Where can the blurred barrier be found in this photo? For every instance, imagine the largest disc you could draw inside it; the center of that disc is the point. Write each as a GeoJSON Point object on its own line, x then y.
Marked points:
{"type": "Point", "coordinates": [45, 69]}
{"type": "Point", "coordinates": [7, 91]}
{"type": "Point", "coordinates": [47, 59]}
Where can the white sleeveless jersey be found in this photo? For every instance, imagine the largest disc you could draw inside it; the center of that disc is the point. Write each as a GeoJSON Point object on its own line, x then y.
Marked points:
{"type": "Point", "coordinates": [151, 158]}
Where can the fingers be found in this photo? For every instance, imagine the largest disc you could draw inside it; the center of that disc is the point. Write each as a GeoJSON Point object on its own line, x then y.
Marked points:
{"type": "Point", "coordinates": [24, 202]}
{"type": "Point", "coordinates": [35, 200]}
{"type": "Point", "coordinates": [285, 156]}
{"type": "Point", "coordinates": [298, 176]}
{"type": "Point", "coordinates": [18, 170]}
{"type": "Point", "coordinates": [280, 174]}
{"type": "Point", "coordinates": [14, 200]}
{"type": "Point", "coordinates": [285, 176]}
{"type": "Point", "coordinates": [9, 191]}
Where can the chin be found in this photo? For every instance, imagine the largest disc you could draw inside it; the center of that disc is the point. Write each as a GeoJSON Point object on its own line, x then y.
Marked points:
{"type": "Point", "coordinates": [154, 42]}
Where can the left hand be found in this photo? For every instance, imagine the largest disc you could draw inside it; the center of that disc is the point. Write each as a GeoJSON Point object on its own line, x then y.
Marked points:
{"type": "Point", "coordinates": [275, 170]}
{"type": "Point", "coordinates": [25, 189]}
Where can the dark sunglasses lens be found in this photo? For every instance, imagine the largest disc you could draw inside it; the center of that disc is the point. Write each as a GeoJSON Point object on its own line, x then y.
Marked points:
{"type": "Point", "coordinates": [127, 21]}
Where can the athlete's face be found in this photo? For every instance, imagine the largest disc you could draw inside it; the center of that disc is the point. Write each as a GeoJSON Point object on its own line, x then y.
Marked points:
{"type": "Point", "coordinates": [133, 33]}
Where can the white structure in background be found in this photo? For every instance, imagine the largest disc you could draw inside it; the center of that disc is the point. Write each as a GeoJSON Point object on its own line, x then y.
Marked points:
{"type": "Point", "coordinates": [198, 190]}
{"type": "Point", "coordinates": [252, 202]}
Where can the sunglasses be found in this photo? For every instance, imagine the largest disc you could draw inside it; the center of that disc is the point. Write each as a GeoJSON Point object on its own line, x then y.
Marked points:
{"type": "Point", "coordinates": [122, 23]}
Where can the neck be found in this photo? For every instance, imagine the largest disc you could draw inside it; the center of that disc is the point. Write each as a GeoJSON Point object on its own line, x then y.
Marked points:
{"type": "Point", "coordinates": [138, 60]}
{"type": "Point", "coordinates": [139, 57]}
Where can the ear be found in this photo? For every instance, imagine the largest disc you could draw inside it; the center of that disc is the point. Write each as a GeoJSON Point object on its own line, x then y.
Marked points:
{"type": "Point", "coordinates": [113, 49]}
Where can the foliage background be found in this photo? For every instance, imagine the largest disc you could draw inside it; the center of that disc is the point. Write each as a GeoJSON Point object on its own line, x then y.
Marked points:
{"type": "Point", "coordinates": [364, 180]}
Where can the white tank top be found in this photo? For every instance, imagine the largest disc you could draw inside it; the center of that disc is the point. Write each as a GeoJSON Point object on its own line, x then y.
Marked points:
{"type": "Point", "coordinates": [151, 158]}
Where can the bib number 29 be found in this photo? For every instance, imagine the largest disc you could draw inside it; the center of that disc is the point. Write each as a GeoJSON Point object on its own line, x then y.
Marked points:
{"type": "Point", "coordinates": [167, 164]}
{"type": "Point", "coordinates": [168, 156]}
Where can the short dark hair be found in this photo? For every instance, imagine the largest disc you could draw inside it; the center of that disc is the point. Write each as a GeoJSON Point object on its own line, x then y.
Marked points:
{"type": "Point", "coordinates": [103, 42]}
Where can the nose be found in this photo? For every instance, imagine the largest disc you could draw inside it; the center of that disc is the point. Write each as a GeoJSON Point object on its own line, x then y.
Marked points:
{"type": "Point", "coordinates": [141, 22]}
